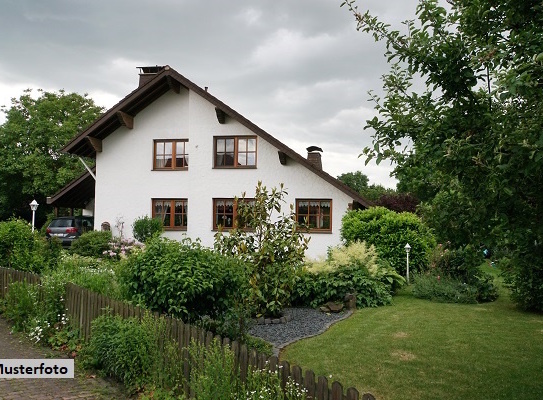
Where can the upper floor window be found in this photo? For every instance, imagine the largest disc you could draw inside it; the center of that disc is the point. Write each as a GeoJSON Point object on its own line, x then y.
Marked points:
{"type": "Point", "coordinates": [172, 213]}
{"type": "Point", "coordinates": [170, 154]}
{"type": "Point", "coordinates": [235, 152]}
{"type": "Point", "coordinates": [316, 214]}
{"type": "Point", "coordinates": [225, 213]}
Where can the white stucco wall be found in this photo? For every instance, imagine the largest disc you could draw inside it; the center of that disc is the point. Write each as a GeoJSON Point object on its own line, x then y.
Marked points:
{"type": "Point", "coordinates": [126, 182]}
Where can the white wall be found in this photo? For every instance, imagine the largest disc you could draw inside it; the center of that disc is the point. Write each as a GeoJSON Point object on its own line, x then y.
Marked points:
{"type": "Point", "coordinates": [126, 182]}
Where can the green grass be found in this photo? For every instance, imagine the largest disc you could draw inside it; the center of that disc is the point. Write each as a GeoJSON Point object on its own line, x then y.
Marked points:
{"type": "Point", "coordinates": [417, 349]}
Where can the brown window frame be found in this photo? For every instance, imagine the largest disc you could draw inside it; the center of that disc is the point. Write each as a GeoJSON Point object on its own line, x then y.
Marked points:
{"type": "Point", "coordinates": [174, 166]}
{"type": "Point", "coordinates": [234, 213]}
{"type": "Point", "coordinates": [172, 226]}
{"type": "Point", "coordinates": [236, 152]}
{"type": "Point", "coordinates": [307, 216]}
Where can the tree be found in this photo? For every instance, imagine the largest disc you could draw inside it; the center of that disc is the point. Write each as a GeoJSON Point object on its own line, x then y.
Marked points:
{"type": "Point", "coordinates": [31, 165]}
{"type": "Point", "coordinates": [355, 180]}
{"type": "Point", "coordinates": [271, 242]}
{"type": "Point", "coordinates": [476, 154]}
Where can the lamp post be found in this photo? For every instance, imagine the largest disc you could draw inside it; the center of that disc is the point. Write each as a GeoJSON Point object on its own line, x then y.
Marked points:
{"type": "Point", "coordinates": [33, 206]}
{"type": "Point", "coordinates": [407, 248]}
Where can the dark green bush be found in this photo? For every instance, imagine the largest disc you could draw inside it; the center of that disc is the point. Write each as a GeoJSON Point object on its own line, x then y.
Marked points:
{"type": "Point", "coordinates": [443, 289]}
{"type": "Point", "coordinates": [184, 279]}
{"type": "Point", "coordinates": [92, 244]}
{"type": "Point", "coordinates": [123, 348]}
{"type": "Point", "coordinates": [20, 304]}
{"type": "Point", "coordinates": [389, 232]}
{"type": "Point", "coordinates": [24, 250]}
{"type": "Point", "coordinates": [146, 227]}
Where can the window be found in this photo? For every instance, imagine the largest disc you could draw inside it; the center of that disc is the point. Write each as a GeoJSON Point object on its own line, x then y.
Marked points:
{"type": "Point", "coordinates": [170, 154]}
{"type": "Point", "coordinates": [172, 213]}
{"type": "Point", "coordinates": [235, 152]}
{"type": "Point", "coordinates": [315, 214]}
{"type": "Point", "coordinates": [225, 213]}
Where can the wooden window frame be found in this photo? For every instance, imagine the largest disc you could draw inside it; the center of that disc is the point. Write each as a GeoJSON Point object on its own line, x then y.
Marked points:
{"type": "Point", "coordinates": [172, 202]}
{"type": "Point", "coordinates": [315, 230]}
{"type": "Point", "coordinates": [174, 166]}
{"type": "Point", "coordinates": [237, 152]}
{"type": "Point", "coordinates": [234, 213]}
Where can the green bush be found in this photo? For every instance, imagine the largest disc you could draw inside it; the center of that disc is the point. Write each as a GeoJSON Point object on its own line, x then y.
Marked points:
{"type": "Point", "coordinates": [24, 250]}
{"type": "Point", "coordinates": [443, 289]}
{"type": "Point", "coordinates": [389, 232]}
{"type": "Point", "coordinates": [20, 304]}
{"type": "Point", "coordinates": [126, 349]}
{"type": "Point", "coordinates": [184, 279]}
{"type": "Point", "coordinates": [92, 244]}
{"type": "Point", "coordinates": [462, 267]}
{"type": "Point", "coordinates": [146, 227]}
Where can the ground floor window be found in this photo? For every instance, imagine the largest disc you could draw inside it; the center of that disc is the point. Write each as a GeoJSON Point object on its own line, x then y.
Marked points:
{"type": "Point", "coordinates": [316, 214]}
{"type": "Point", "coordinates": [172, 213]}
{"type": "Point", "coordinates": [225, 213]}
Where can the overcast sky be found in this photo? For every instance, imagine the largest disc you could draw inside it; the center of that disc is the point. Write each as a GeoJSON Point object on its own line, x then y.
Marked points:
{"type": "Point", "coordinates": [296, 68]}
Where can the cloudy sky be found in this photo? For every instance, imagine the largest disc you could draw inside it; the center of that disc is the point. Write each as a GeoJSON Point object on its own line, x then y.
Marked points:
{"type": "Point", "coordinates": [296, 68]}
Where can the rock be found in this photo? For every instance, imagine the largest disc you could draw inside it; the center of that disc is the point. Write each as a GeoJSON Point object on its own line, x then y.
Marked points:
{"type": "Point", "coordinates": [261, 321]}
{"type": "Point", "coordinates": [350, 301]}
{"type": "Point", "coordinates": [335, 307]}
{"type": "Point", "coordinates": [324, 309]}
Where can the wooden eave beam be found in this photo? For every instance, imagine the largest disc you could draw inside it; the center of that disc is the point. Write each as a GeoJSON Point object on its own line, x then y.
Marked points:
{"type": "Point", "coordinates": [95, 143]}
{"type": "Point", "coordinates": [125, 119]}
{"type": "Point", "coordinates": [282, 157]}
{"type": "Point", "coordinates": [173, 84]}
{"type": "Point", "coordinates": [221, 115]}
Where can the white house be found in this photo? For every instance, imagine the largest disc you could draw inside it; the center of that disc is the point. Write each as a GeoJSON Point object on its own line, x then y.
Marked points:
{"type": "Point", "coordinates": [172, 150]}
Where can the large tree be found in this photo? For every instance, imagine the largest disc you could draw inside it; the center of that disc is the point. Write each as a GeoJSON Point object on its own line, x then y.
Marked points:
{"type": "Point", "coordinates": [474, 129]}
{"type": "Point", "coordinates": [34, 131]}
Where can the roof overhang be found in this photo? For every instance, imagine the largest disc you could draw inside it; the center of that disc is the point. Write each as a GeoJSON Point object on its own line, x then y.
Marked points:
{"type": "Point", "coordinates": [75, 194]}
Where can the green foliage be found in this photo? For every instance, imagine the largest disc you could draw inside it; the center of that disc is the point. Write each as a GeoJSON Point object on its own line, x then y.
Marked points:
{"type": "Point", "coordinates": [20, 304]}
{"type": "Point", "coordinates": [23, 250]}
{"type": "Point", "coordinates": [389, 232]}
{"type": "Point", "coordinates": [123, 348]}
{"type": "Point", "coordinates": [273, 248]}
{"type": "Point", "coordinates": [146, 227]}
{"type": "Point", "coordinates": [31, 164]}
{"type": "Point", "coordinates": [355, 180]}
{"type": "Point", "coordinates": [183, 279]}
{"type": "Point", "coordinates": [476, 152]}
{"type": "Point", "coordinates": [455, 276]}
{"type": "Point", "coordinates": [92, 244]}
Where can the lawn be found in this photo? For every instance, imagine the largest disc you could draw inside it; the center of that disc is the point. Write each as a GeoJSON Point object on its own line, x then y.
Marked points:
{"type": "Point", "coordinates": [417, 349]}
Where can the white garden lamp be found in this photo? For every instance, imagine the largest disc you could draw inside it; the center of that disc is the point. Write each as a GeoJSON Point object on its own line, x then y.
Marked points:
{"type": "Point", "coordinates": [33, 206]}
{"type": "Point", "coordinates": [407, 248]}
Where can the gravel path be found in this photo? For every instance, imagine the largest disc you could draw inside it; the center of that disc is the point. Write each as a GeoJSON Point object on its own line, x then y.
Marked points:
{"type": "Point", "coordinates": [305, 322]}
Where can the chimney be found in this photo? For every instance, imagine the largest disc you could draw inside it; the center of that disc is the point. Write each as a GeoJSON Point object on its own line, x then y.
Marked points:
{"type": "Point", "coordinates": [314, 156]}
{"type": "Point", "coordinates": [148, 73]}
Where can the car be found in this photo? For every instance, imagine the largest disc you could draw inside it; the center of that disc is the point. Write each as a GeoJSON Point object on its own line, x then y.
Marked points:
{"type": "Point", "coordinates": [68, 229]}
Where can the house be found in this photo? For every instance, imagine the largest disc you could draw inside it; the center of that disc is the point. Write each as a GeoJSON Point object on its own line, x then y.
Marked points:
{"type": "Point", "coordinates": [172, 150]}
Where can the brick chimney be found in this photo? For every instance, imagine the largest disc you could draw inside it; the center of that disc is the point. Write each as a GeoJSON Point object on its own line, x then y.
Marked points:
{"type": "Point", "coordinates": [148, 73]}
{"type": "Point", "coordinates": [314, 156]}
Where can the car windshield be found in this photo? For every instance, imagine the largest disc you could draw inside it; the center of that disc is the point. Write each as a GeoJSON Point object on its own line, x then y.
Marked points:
{"type": "Point", "coordinates": [61, 223]}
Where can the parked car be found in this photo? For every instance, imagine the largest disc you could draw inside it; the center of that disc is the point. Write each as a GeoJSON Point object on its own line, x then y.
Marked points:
{"type": "Point", "coordinates": [68, 229]}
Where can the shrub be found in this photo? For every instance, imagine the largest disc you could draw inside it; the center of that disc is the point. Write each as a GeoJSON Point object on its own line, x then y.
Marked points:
{"type": "Point", "coordinates": [123, 348]}
{"type": "Point", "coordinates": [443, 289]}
{"type": "Point", "coordinates": [389, 232]}
{"type": "Point", "coordinates": [183, 279]}
{"type": "Point", "coordinates": [92, 244]}
{"type": "Point", "coordinates": [274, 247]}
{"type": "Point", "coordinates": [20, 304]}
{"type": "Point", "coordinates": [24, 250]}
{"type": "Point", "coordinates": [146, 227]}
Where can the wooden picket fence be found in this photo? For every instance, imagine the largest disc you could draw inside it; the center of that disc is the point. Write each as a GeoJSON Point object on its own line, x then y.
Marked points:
{"type": "Point", "coordinates": [83, 306]}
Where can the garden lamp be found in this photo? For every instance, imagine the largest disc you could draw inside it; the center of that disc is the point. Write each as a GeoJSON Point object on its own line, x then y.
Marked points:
{"type": "Point", "coordinates": [407, 248]}
{"type": "Point", "coordinates": [33, 206]}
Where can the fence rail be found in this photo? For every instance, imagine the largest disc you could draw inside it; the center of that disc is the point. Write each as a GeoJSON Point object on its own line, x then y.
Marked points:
{"type": "Point", "coordinates": [83, 306]}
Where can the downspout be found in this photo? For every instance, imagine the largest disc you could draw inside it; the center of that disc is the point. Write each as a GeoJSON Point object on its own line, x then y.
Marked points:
{"type": "Point", "coordinates": [88, 169]}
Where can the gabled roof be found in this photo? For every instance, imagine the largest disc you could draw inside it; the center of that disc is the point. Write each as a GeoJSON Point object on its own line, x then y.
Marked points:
{"type": "Point", "coordinates": [75, 194]}
{"type": "Point", "coordinates": [123, 113]}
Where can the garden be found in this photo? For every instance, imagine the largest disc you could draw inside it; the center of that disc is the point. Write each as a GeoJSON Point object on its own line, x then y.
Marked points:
{"type": "Point", "coordinates": [256, 271]}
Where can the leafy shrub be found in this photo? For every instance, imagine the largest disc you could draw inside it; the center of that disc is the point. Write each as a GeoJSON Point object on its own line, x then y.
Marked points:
{"type": "Point", "coordinates": [389, 232]}
{"type": "Point", "coordinates": [443, 289]}
{"type": "Point", "coordinates": [273, 247]}
{"type": "Point", "coordinates": [398, 202]}
{"type": "Point", "coordinates": [20, 304]}
{"type": "Point", "coordinates": [146, 227]}
{"type": "Point", "coordinates": [126, 349]}
{"type": "Point", "coordinates": [24, 250]}
{"type": "Point", "coordinates": [92, 244]}
{"type": "Point", "coordinates": [183, 279]}
{"type": "Point", "coordinates": [462, 265]}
